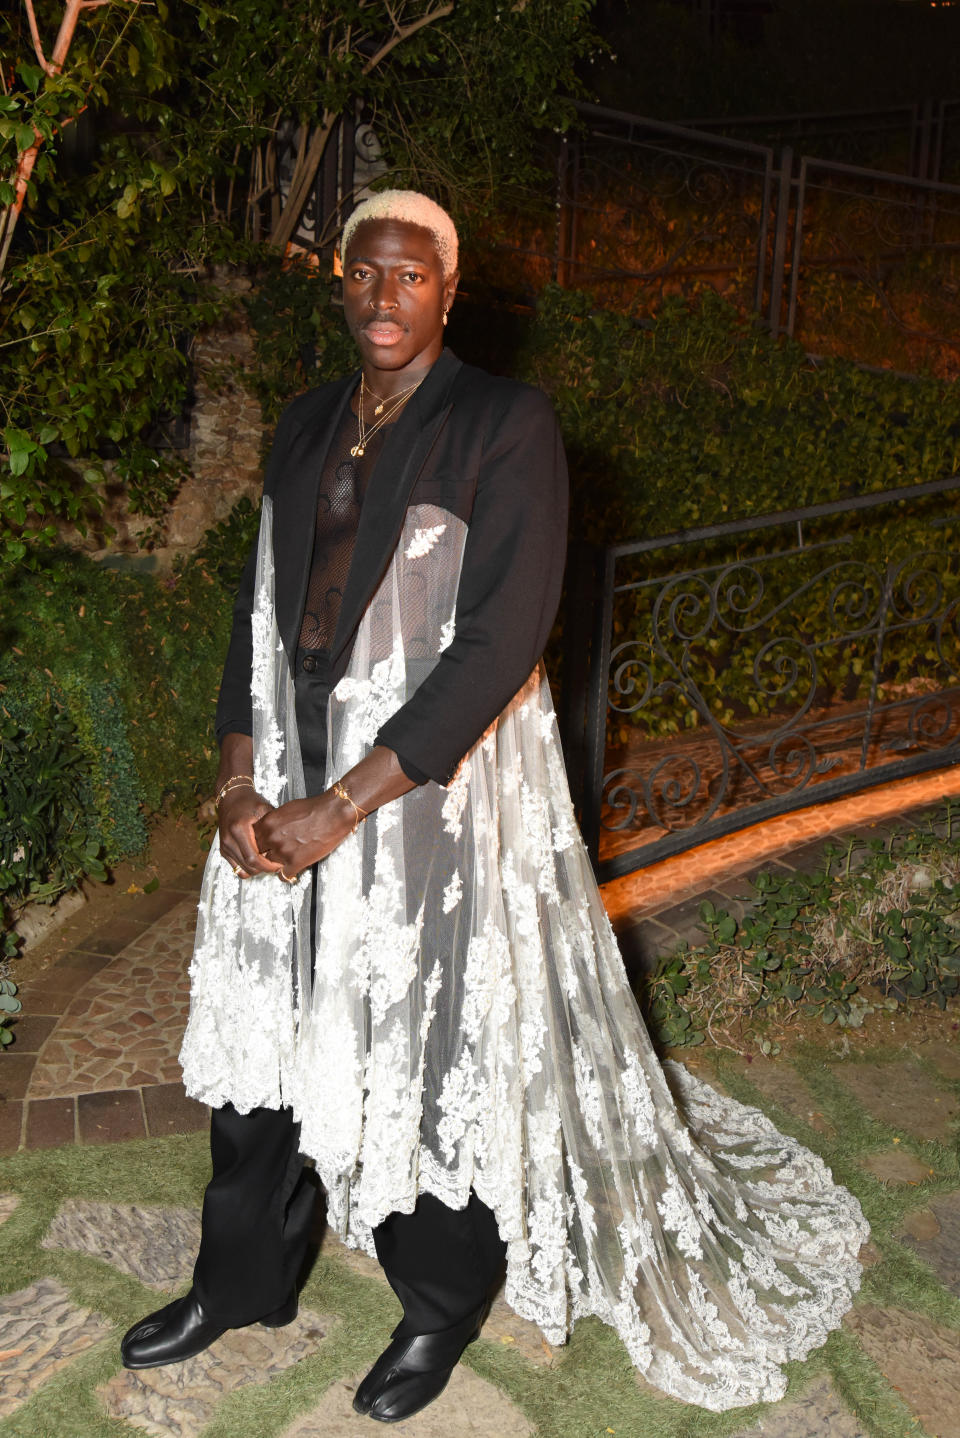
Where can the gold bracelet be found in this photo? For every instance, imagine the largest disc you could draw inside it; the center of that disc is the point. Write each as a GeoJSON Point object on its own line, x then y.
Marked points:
{"type": "Point", "coordinates": [343, 793]}
{"type": "Point", "coordinates": [236, 781]}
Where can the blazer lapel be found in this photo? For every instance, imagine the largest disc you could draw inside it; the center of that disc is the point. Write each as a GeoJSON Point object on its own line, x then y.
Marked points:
{"type": "Point", "coordinates": [295, 513]}
{"type": "Point", "coordinates": [387, 497]}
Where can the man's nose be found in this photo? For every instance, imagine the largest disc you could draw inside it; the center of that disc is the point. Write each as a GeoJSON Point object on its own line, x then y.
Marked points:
{"type": "Point", "coordinates": [384, 296]}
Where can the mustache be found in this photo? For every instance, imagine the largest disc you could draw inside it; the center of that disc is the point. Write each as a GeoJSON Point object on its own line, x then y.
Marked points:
{"type": "Point", "coordinates": [381, 321]}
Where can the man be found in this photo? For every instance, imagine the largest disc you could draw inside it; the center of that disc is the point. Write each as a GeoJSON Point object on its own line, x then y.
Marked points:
{"type": "Point", "coordinates": [403, 968]}
{"type": "Point", "coordinates": [338, 514]}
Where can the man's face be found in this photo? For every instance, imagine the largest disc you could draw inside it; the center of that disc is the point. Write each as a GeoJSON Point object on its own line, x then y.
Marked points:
{"type": "Point", "coordinates": [394, 295]}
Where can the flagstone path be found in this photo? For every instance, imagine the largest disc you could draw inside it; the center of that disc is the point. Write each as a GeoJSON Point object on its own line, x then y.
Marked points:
{"type": "Point", "coordinates": [95, 1061]}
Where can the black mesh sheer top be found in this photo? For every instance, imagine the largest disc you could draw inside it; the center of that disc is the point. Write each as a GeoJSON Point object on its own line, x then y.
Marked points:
{"type": "Point", "coordinates": [343, 485]}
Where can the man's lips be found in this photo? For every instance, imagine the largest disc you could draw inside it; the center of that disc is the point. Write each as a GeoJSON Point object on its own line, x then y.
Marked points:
{"type": "Point", "coordinates": [383, 332]}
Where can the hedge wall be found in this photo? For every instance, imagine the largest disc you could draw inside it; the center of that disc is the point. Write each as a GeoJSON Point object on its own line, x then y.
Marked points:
{"type": "Point", "coordinates": [107, 687]}
{"type": "Point", "coordinates": [702, 417]}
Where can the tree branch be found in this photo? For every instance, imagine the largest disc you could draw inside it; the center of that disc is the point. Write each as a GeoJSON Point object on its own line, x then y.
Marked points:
{"type": "Point", "coordinates": [406, 32]}
{"type": "Point", "coordinates": [303, 175]}
{"type": "Point", "coordinates": [301, 181]}
{"type": "Point", "coordinates": [64, 38]}
{"type": "Point", "coordinates": [35, 37]}
{"type": "Point", "coordinates": [28, 158]}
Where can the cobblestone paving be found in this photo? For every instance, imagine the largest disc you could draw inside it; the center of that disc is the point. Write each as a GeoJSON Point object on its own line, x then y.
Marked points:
{"type": "Point", "coordinates": [937, 1241]}
{"type": "Point", "coordinates": [468, 1408]}
{"type": "Point", "coordinates": [899, 1095]}
{"type": "Point", "coordinates": [156, 1245]}
{"type": "Point", "coordinates": [780, 1082]}
{"type": "Point", "coordinates": [125, 1026]}
{"type": "Point", "coordinates": [179, 1400]}
{"type": "Point", "coordinates": [919, 1358]}
{"type": "Point", "coordinates": [818, 1413]}
{"type": "Point", "coordinates": [41, 1331]}
{"type": "Point", "coordinates": [896, 1165]}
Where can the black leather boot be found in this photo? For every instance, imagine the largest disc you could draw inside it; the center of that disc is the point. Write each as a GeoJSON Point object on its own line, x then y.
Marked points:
{"type": "Point", "coordinates": [412, 1372]}
{"type": "Point", "coordinates": [182, 1329]}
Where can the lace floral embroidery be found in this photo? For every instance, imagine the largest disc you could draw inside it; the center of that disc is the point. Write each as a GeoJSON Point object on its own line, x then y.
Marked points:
{"type": "Point", "coordinates": [464, 1022]}
{"type": "Point", "coordinates": [423, 541]}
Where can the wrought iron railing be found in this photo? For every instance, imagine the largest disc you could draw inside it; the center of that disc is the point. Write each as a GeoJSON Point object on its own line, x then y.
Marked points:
{"type": "Point", "coordinates": [850, 261]}
{"type": "Point", "coordinates": [643, 204]}
{"type": "Point", "coordinates": [910, 137]}
{"type": "Point", "coordinates": [728, 674]}
{"type": "Point", "coordinates": [889, 246]}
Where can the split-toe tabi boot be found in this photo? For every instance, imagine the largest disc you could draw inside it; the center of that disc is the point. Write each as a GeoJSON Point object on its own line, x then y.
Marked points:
{"type": "Point", "coordinates": [412, 1372]}
{"type": "Point", "coordinates": [182, 1329]}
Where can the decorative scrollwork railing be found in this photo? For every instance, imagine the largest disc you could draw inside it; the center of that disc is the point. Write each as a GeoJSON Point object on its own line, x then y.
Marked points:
{"type": "Point", "coordinates": [743, 670]}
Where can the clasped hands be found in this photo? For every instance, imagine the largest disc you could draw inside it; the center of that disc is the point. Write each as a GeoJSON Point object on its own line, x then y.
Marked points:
{"type": "Point", "coordinates": [257, 838]}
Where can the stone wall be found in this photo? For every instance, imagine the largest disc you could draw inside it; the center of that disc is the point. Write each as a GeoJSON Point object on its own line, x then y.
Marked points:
{"type": "Point", "coordinates": [226, 435]}
{"type": "Point", "coordinates": [223, 459]}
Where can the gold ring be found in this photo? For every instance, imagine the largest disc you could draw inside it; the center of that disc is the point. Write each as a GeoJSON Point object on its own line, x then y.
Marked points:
{"type": "Point", "coordinates": [236, 869]}
{"type": "Point", "coordinates": [286, 877]}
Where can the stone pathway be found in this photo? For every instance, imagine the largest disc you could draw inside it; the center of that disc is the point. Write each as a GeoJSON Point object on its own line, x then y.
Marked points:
{"type": "Point", "coordinates": [819, 1412]}
{"type": "Point", "coordinates": [123, 1029]}
{"type": "Point", "coordinates": [936, 1238]}
{"type": "Point", "coordinates": [179, 1400]}
{"type": "Point", "coordinates": [469, 1408]}
{"type": "Point", "coordinates": [95, 1062]}
{"type": "Point", "coordinates": [155, 1245]}
{"type": "Point", "coordinates": [95, 1057]}
{"type": "Point", "coordinates": [902, 1097]}
{"type": "Point", "coordinates": [918, 1358]}
{"type": "Point", "coordinates": [41, 1331]}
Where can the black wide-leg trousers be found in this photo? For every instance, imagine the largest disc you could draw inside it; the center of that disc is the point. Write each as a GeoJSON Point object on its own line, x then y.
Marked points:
{"type": "Point", "coordinates": [257, 1216]}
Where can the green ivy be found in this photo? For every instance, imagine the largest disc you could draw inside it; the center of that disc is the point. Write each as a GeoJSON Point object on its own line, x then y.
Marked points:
{"type": "Point", "coordinates": [134, 662]}
{"type": "Point", "coordinates": [224, 548]}
{"type": "Point", "coordinates": [49, 836]}
{"type": "Point", "coordinates": [299, 339]}
{"type": "Point", "coordinates": [700, 416]}
{"type": "Point", "coordinates": [837, 944]}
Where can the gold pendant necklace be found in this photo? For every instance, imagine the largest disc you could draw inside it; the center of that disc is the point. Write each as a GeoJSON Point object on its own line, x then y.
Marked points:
{"type": "Point", "coordinates": [397, 401]}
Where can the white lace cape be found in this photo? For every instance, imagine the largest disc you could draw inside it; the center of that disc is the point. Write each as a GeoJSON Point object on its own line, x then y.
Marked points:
{"type": "Point", "coordinates": [468, 1024]}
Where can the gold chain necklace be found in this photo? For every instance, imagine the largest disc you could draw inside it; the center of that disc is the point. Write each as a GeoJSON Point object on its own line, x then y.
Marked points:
{"type": "Point", "coordinates": [381, 400]}
{"type": "Point", "coordinates": [397, 402]}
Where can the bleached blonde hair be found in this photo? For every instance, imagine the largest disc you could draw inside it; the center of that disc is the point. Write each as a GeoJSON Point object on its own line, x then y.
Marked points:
{"type": "Point", "coordinates": [411, 208]}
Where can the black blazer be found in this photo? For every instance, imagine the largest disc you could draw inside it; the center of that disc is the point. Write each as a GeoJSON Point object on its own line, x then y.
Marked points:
{"type": "Point", "coordinates": [484, 448]}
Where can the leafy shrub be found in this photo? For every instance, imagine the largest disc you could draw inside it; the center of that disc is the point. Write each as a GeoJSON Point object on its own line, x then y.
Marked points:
{"type": "Point", "coordinates": [9, 1005]}
{"type": "Point", "coordinates": [47, 841]}
{"type": "Point", "coordinates": [48, 827]}
{"type": "Point", "coordinates": [224, 548]}
{"type": "Point", "coordinates": [299, 340]}
{"type": "Point", "coordinates": [836, 944]}
{"type": "Point", "coordinates": [701, 417]}
{"type": "Point", "coordinates": [107, 687]}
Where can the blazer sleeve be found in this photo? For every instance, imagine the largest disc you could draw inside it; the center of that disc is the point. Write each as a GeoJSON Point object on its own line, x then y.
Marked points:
{"type": "Point", "coordinates": [234, 704]}
{"type": "Point", "coordinates": [507, 597]}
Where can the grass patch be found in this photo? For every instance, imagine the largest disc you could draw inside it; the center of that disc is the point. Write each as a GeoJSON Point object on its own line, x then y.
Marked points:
{"type": "Point", "coordinates": [590, 1391]}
